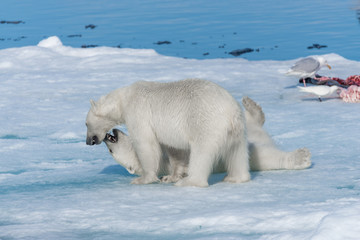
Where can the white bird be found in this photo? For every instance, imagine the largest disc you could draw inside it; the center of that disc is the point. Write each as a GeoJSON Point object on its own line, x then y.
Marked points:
{"type": "Point", "coordinates": [319, 91]}
{"type": "Point", "coordinates": [308, 67]}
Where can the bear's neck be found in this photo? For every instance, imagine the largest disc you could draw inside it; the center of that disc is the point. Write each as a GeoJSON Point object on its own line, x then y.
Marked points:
{"type": "Point", "coordinates": [113, 103]}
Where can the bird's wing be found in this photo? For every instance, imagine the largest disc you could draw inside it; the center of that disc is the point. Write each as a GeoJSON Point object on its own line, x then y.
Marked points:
{"type": "Point", "coordinates": [307, 65]}
{"type": "Point", "coordinates": [317, 90]}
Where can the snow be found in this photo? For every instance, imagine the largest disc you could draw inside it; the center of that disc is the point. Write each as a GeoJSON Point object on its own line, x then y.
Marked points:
{"type": "Point", "coordinates": [50, 42]}
{"type": "Point", "coordinates": [53, 186]}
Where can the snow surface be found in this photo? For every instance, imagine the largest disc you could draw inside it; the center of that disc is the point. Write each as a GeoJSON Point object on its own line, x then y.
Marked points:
{"type": "Point", "coordinates": [53, 186]}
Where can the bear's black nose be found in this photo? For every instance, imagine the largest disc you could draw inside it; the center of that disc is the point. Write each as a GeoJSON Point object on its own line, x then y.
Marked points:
{"type": "Point", "coordinates": [92, 140]}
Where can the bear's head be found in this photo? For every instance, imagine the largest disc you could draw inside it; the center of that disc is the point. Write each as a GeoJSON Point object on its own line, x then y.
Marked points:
{"type": "Point", "coordinates": [121, 149]}
{"type": "Point", "coordinates": [97, 123]}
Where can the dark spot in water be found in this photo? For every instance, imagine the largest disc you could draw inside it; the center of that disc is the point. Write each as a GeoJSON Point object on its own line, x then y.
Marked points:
{"type": "Point", "coordinates": [162, 42]}
{"type": "Point", "coordinates": [19, 38]}
{"type": "Point", "coordinates": [206, 54]}
{"type": "Point", "coordinates": [74, 35]}
{"type": "Point", "coordinates": [317, 46]}
{"type": "Point", "coordinates": [13, 39]}
{"type": "Point", "coordinates": [91, 26]}
{"type": "Point", "coordinates": [89, 46]}
{"type": "Point", "coordinates": [239, 52]}
{"type": "Point", "coordinates": [11, 22]}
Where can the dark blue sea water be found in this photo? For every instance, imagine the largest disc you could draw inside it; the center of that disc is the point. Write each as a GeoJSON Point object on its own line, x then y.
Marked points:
{"type": "Point", "coordinates": [201, 29]}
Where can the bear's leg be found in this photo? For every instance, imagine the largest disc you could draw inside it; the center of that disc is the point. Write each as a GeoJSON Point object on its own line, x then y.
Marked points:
{"type": "Point", "coordinates": [149, 154]}
{"type": "Point", "coordinates": [200, 166]}
{"type": "Point", "coordinates": [237, 163]}
{"type": "Point", "coordinates": [298, 159]}
{"type": "Point", "coordinates": [179, 160]}
{"type": "Point", "coordinates": [254, 111]}
{"type": "Point", "coordinates": [265, 157]}
{"type": "Point", "coordinates": [178, 172]}
{"type": "Point", "coordinates": [270, 158]}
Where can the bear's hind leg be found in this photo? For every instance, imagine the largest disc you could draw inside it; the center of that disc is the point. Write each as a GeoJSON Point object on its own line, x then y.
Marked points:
{"type": "Point", "coordinates": [200, 166]}
{"type": "Point", "coordinates": [237, 163]}
{"type": "Point", "coordinates": [254, 110]}
{"type": "Point", "coordinates": [298, 159]}
{"type": "Point", "coordinates": [264, 158]}
{"type": "Point", "coordinates": [177, 173]}
{"type": "Point", "coordinates": [179, 160]}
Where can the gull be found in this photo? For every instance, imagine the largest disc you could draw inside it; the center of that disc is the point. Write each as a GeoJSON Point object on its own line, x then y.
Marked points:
{"type": "Point", "coordinates": [307, 67]}
{"type": "Point", "coordinates": [319, 91]}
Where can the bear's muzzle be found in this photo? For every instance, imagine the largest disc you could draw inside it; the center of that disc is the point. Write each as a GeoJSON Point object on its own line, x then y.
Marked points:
{"type": "Point", "coordinates": [92, 140]}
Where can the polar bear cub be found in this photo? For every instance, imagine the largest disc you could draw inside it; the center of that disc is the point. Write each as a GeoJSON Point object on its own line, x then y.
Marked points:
{"type": "Point", "coordinates": [191, 114]}
{"type": "Point", "coordinates": [264, 155]}
{"type": "Point", "coordinates": [173, 164]}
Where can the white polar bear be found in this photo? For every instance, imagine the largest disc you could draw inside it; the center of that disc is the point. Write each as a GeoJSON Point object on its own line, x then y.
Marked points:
{"type": "Point", "coordinates": [264, 155]}
{"type": "Point", "coordinates": [191, 114]}
{"type": "Point", "coordinates": [173, 164]}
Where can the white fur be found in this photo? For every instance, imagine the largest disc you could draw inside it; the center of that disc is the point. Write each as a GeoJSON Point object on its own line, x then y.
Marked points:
{"type": "Point", "coordinates": [191, 115]}
{"type": "Point", "coordinates": [173, 164]}
{"type": "Point", "coordinates": [264, 155]}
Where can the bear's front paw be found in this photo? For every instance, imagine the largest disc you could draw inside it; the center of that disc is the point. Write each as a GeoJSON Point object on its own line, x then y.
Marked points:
{"type": "Point", "coordinates": [188, 182]}
{"type": "Point", "coordinates": [169, 179]}
{"type": "Point", "coordinates": [145, 180]}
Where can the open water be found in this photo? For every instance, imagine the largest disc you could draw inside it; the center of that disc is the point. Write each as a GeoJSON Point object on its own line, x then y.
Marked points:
{"type": "Point", "coordinates": [201, 29]}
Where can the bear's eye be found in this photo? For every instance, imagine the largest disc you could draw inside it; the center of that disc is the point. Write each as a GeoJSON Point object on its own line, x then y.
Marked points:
{"type": "Point", "coordinates": [110, 150]}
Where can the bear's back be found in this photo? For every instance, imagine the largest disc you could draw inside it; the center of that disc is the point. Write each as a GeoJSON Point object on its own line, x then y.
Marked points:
{"type": "Point", "coordinates": [191, 91]}
{"type": "Point", "coordinates": [190, 108]}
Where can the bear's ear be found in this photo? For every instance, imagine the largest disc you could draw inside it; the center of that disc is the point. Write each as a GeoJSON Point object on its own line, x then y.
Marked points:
{"type": "Point", "coordinates": [94, 108]}
{"type": "Point", "coordinates": [93, 104]}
